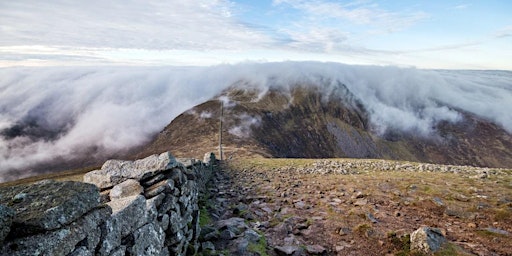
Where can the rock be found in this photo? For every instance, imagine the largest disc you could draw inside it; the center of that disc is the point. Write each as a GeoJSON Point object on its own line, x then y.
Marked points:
{"type": "Point", "coordinates": [252, 236]}
{"type": "Point", "coordinates": [114, 172]}
{"type": "Point", "coordinates": [497, 231]}
{"type": "Point", "coordinates": [48, 204]}
{"type": "Point", "coordinates": [208, 246]}
{"type": "Point", "coordinates": [159, 187]}
{"type": "Point", "coordinates": [187, 162]}
{"type": "Point", "coordinates": [427, 240]}
{"type": "Point", "coordinates": [58, 242]}
{"type": "Point", "coordinates": [129, 213]}
{"type": "Point", "coordinates": [81, 251]}
{"type": "Point", "coordinates": [361, 202]}
{"type": "Point", "coordinates": [316, 249]}
{"type": "Point", "coordinates": [153, 180]}
{"type": "Point", "coordinates": [6, 216]}
{"type": "Point", "coordinates": [126, 188]}
{"type": "Point", "coordinates": [148, 240]}
{"type": "Point", "coordinates": [371, 218]}
{"type": "Point", "coordinates": [120, 251]}
{"type": "Point", "coordinates": [286, 250]}
{"type": "Point", "coordinates": [209, 158]}
{"type": "Point", "coordinates": [110, 237]}
{"type": "Point", "coordinates": [438, 201]}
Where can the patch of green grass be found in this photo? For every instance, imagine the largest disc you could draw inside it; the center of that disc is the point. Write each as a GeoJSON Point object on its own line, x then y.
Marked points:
{"type": "Point", "coordinates": [487, 233]}
{"type": "Point", "coordinates": [204, 217]}
{"type": "Point", "coordinates": [502, 215]}
{"type": "Point", "coordinates": [260, 247]}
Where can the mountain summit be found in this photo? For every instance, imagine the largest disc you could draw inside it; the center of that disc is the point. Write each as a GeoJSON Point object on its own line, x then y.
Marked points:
{"type": "Point", "coordinates": [306, 120]}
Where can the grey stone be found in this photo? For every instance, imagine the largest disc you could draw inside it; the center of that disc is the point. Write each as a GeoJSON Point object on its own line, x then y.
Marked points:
{"type": "Point", "coordinates": [159, 187]}
{"type": "Point", "coordinates": [177, 176]}
{"type": "Point", "coordinates": [163, 221]}
{"type": "Point", "coordinates": [169, 203]}
{"type": "Point", "coordinates": [130, 213]}
{"type": "Point", "coordinates": [240, 246]}
{"type": "Point", "coordinates": [6, 216]}
{"type": "Point", "coordinates": [209, 159]}
{"type": "Point", "coordinates": [148, 240]}
{"type": "Point", "coordinates": [81, 251]}
{"type": "Point", "coordinates": [120, 251]}
{"type": "Point", "coordinates": [286, 250]}
{"type": "Point", "coordinates": [93, 238]}
{"type": "Point", "coordinates": [153, 180]}
{"type": "Point", "coordinates": [232, 227]}
{"type": "Point", "coordinates": [126, 188]}
{"type": "Point", "coordinates": [187, 162]}
{"type": "Point", "coordinates": [497, 231]}
{"type": "Point", "coordinates": [114, 172]}
{"type": "Point", "coordinates": [252, 236]}
{"type": "Point", "coordinates": [48, 204]}
{"type": "Point", "coordinates": [208, 246]}
{"type": "Point", "coordinates": [110, 237]}
{"type": "Point", "coordinates": [316, 249]}
{"type": "Point", "coordinates": [427, 240]}
{"type": "Point", "coordinates": [58, 242]}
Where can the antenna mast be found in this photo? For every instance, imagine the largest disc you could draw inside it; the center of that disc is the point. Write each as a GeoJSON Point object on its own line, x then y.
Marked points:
{"type": "Point", "coordinates": [220, 129]}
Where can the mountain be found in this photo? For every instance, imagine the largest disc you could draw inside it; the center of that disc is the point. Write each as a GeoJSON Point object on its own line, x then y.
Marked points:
{"type": "Point", "coordinates": [307, 121]}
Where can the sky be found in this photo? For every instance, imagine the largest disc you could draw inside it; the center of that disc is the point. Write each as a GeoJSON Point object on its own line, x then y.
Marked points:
{"type": "Point", "coordinates": [459, 34]}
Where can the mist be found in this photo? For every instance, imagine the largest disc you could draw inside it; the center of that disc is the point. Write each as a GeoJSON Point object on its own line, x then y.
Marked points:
{"type": "Point", "coordinates": [51, 112]}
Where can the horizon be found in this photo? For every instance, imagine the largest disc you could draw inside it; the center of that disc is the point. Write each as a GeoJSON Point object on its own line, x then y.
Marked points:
{"type": "Point", "coordinates": [459, 35]}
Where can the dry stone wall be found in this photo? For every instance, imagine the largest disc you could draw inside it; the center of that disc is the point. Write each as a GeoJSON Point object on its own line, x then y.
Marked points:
{"type": "Point", "coordinates": [143, 207]}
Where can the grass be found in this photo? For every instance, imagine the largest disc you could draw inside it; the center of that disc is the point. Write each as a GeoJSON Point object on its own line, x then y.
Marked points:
{"type": "Point", "coordinates": [260, 247]}
{"type": "Point", "coordinates": [70, 175]}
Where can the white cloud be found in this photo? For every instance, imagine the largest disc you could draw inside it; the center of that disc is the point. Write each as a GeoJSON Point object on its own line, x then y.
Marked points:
{"type": "Point", "coordinates": [358, 12]}
{"type": "Point", "coordinates": [67, 111]}
{"type": "Point", "coordinates": [173, 24]}
{"type": "Point", "coordinates": [504, 32]}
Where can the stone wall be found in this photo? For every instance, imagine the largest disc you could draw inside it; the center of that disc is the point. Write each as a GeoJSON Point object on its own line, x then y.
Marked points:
{"type": "Point", "coordinates": [143, 207]}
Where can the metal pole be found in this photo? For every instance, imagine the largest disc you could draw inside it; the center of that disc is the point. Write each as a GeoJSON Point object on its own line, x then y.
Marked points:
{"type": "Point", "coordinates": [220, 129]}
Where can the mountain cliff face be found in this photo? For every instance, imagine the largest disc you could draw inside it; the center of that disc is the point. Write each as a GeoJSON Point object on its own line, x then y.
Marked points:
{"type": "Point", "coordinates": [306, 121]}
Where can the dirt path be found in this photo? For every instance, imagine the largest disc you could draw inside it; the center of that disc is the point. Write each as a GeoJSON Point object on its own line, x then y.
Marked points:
{"type": "Point", "coordinates": [355, 212]}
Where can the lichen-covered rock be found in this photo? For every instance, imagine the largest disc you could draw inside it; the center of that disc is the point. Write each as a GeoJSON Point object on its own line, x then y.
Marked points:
{"type": "Point", "coordinates": [6, 216]}
{"type": "Point", "coordinates": [129, 212]}
{"type": "Point", "coordinates": [58, 242]}
{"type": "Point", "coordinates": [48, 204]}
{"type": "Point", "coordinates": [81, 251]}
{"type": "Point", "coordinates": [110, 237]}
{"type": "Point", "coordinates": [126, 188]}
{"type": "Point", "coordinates": [148, 240]}
{"type": "Point", "coordinates": [114, 172]}
{"type": "Point", "coordinates": [427, 240]}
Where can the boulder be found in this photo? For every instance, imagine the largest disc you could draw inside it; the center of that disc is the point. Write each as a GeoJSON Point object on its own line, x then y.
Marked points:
{"type": "Point", "coordinates": [114, 172]}
{"type": "Point", "coordinates": [48, 204]}
{"type": "Point", "coordinates": [129, 212]}
{"type": "Point", "coordinates": [126, 188]}
{"type": "Point", "coordinates": [427, 240]}
{"type": "Point", "coordinates": [6, 216]}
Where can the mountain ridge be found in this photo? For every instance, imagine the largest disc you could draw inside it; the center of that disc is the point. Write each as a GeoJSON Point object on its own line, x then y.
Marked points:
{"type": "Point", "coordinates": [305, 122]}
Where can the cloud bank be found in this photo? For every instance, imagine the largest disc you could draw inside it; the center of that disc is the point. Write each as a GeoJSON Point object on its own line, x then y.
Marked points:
{"type": "Point", "coordinates": [54, 112]}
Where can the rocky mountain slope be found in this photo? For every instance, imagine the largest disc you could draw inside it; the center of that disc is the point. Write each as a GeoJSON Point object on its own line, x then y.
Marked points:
{"type": "Point", "coordinates": [306, 121]}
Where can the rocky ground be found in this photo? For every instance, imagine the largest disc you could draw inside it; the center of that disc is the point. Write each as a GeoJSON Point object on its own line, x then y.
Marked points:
{"type": "Point", "coordinates": [354, 207]}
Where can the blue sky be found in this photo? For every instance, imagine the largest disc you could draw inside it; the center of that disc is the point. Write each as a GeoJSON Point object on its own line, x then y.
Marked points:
{"type": "Point", "coordinates": [425, 34]}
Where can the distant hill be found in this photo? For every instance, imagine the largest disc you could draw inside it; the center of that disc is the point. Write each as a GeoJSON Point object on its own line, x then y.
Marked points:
{"type": "Point", "coordinates": [304, 121]}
